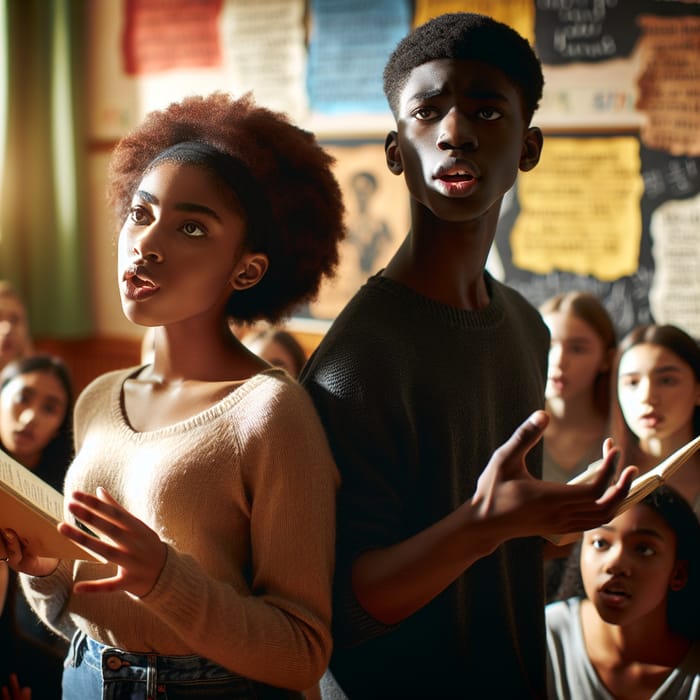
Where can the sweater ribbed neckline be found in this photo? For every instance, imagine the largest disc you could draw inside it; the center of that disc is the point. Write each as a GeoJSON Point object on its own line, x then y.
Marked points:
{"type": "Point", "coordinates": [238, 393]}
{"type": "Point", "coordinates": [488, 317]}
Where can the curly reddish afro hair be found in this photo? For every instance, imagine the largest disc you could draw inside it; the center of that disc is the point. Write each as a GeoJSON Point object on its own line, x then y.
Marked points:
{"type": "Point", "coordinates": [302, 224]}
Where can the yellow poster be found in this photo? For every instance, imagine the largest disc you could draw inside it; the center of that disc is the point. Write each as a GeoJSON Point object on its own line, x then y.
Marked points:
{"type": "Point", "coordinates": [519, 14]}
{"type": "Point", "coordinates": [580, 209]}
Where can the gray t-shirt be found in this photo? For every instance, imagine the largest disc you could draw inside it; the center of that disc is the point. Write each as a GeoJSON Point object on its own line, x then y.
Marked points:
{"type": "Point", "coordinates": [570, 673]}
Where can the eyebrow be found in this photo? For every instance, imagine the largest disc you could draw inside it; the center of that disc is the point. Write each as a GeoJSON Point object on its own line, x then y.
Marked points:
{"type": "Point", "coordinates": [643, 531]}
{"type": "Point", "coordinates": [666, 369]}
{"type": "Point", "coordinates": [483, 94]}
{"type": "Point", "coordinates": [579, 339]}
{"type": "Point", "coordinates": [54, 400]}
{"type": "Point", "coordinates": [473, 93]}
{"type": "Point", "coordinates": [181, 206]}
{"type": "Point", "coordinates": [426, 95]}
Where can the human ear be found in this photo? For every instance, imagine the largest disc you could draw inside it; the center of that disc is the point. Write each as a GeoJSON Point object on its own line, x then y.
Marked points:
{"type": "Point", "coordinates": [393, 153]}
{"type": "Point", "coordinates": [532, 149]}
{"type": "Point", "coordinates": [251, 268]}
{"type": "Point", "coordinates": [679, 577]}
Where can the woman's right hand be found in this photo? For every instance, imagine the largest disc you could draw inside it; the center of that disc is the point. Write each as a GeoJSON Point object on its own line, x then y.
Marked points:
{"type": "Point", "coordinates": [22, 559]}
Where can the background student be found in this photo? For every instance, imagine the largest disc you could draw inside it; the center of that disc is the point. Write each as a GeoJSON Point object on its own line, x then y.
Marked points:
{"type": "Point", "coordinates": [577, 397]}
{"type": "Point", "coordinates": [428, 384]}
{"type": "Point", "coordinates": [581, 354]}
{"type": "Point", "coordinates": [279, 347]}
{"type": "Point", "coordinates": [206, 473]}
{"type": "Point", "coordinates": [15, 340]}
{"type": "Point", "coordinates": [36, 407]}
{"type": "Point", "coordinates": [628, 624]}
{"type": "Point", "coordinates": [657, 407]}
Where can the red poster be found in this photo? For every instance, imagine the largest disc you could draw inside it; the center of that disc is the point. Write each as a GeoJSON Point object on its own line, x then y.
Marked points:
{"type": "Point", "coordinates": [164, 34]}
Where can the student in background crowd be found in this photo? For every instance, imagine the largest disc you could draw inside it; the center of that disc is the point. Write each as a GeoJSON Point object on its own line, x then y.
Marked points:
{"type": "Point", "coordinates": [628, 624]}
{"type": "Point", "coordinates": [15, 340]}
{"type": "Point", "coordinates": [429, 384]}
{"type": "Point", "coordinates": [36, 409]}
{"type": "Point", "coordinates": [207, 473]}
{"type": "Point", "coordinates": [657, 409]}
{"type": "Point", "coordinates": [279, 347]}
{"type": "Point", "coordinates": [581, 354]}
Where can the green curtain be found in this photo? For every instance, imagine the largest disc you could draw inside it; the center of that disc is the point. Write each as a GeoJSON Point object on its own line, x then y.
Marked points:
{"type": "Point", "coordinates": [43, 237]}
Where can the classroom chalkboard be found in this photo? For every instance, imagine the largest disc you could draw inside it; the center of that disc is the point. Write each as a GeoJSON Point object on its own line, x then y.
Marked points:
{"type": "Point", "coordinates": [665, 180]}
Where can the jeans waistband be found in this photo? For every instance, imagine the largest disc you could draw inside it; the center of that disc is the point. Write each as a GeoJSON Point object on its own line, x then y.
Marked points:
{"type": "Point", "coordinates": [117, 664]}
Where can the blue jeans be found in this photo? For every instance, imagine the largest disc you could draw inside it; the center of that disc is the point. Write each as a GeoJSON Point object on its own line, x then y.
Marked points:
{"type": "Point", "coordinates": [94, 671]}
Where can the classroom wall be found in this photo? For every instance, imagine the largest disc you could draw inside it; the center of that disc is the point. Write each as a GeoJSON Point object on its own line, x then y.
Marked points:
{"type": "Point", "coordinates": [613, 207]}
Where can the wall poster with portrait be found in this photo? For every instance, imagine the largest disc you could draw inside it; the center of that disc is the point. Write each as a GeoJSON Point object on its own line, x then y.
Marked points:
{"type": "Point", "coordinates": [377, 218]}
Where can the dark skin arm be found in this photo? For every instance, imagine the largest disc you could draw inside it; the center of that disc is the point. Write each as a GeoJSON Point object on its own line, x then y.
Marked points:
{"type": "Point", "coordinates": [394, 582]}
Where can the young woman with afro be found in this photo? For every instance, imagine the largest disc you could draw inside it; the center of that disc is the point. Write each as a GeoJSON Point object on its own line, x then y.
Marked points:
{"type": "Point", "coordinates": [205, 475]}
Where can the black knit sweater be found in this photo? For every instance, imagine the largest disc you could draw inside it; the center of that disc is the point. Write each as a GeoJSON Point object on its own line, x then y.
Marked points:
{"type": "Point", "coordinates": [415, 397]}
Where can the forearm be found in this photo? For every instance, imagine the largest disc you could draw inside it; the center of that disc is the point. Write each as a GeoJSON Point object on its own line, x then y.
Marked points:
{"type": "Point", "coordinates": [49, 597]}
{"type": "Point", "coordinates": [394, 582]}
{"type": "Point", "coordinates": [241, 631]}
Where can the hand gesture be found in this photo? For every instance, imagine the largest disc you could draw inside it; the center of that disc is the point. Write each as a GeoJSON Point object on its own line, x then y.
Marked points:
{"type": "Point", "coordinates": [521, 505]}
{"type": "Point", "coordinates": [126, 541]}
{"type": "Point", "coordinates": [13, 691]}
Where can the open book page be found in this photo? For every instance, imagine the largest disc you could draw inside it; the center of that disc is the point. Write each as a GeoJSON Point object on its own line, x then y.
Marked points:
{"type": "Point", "coordinates": [33, 508]}
{"type": "Point", "coordinates": [641, 487]}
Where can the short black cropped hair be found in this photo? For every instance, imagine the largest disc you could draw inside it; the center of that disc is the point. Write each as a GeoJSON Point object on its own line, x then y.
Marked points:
{"type": "Point", "coordinates": [467, 35]}
{"type": "Point", "coordinates": [298, 207]}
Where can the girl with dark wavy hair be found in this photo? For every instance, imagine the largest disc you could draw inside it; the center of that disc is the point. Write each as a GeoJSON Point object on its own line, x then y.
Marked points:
{"type": "Point", "coordinates": [628, 620]}
{"type": "Point", "coordinates": [656, 407]}
{"type": "Point", "coordinates": [36, 429]}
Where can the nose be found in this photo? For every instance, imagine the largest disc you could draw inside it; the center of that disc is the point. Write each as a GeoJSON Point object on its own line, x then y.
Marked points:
{"type": "Point", "coordinates": [146, 244]}
{"type": "Point", "coordinates": [617, 562]}
{"type": "Point", "coordinates": [647, 394]}
{"type": "Point", "coordinates": [27, 416]}
{"type": "Point", "coordinates": [556, 355]}
{"type": "Point", "coordinates": [456, 132]}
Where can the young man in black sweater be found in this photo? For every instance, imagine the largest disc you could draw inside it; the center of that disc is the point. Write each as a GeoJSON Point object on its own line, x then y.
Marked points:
{"type": "Point", "coordinates": [429, 384]}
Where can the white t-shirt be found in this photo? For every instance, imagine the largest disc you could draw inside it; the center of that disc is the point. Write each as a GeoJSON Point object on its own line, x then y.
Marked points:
{"type": "Point", "coordinates": [570, 673]}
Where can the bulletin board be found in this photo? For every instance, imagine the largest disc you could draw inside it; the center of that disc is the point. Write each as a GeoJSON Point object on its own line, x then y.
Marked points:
{"type": "Point", "coordinates": [613, 207]}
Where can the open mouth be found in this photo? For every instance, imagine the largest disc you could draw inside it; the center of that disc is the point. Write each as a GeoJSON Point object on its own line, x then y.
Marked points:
{"type": "Point", "coordinates": [140, 282]}
{"type": "Point", "coordinates": [137, 285]}
{"type": "Point", "coordinates": [460, 176]}
{"type": "Point", "coordinates": [24, 436]}
{"type": "Point", "coordinates": [615, 593]}
{"type": "Point", "coordinates": [650, 420]}
{"type": "Point", "coordinates": [456, 170]}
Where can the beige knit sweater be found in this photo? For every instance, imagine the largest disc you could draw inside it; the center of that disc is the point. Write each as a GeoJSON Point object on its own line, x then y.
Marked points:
{"type": "Point", "coordinates": [243, 494]}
